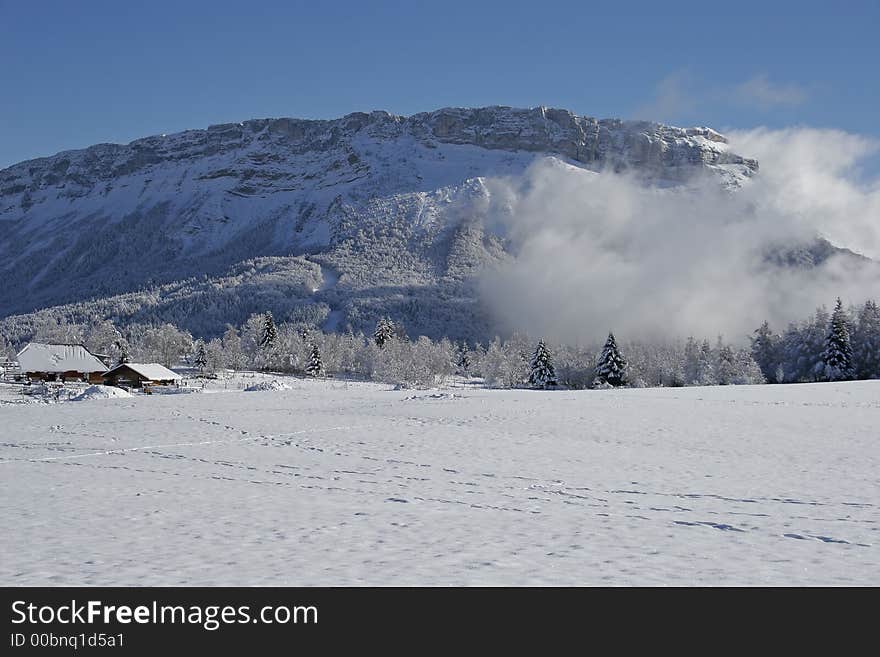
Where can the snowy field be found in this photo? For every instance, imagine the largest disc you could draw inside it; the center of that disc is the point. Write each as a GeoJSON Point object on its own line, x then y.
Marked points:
{"type": "Point", "coordinates": [355, 484]}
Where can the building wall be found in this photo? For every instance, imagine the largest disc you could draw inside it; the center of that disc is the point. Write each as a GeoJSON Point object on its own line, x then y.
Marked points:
{"type": "Point", "coordinates": [91, 377]}
{"type": "Point", "coordinates": [130, 379]}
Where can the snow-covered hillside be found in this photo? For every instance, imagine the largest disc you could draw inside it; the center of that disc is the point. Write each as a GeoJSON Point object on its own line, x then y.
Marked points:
{"type": "Point", "coordinates": [342, 483]}
{"type": "Point", "coordinates": [391, 204]}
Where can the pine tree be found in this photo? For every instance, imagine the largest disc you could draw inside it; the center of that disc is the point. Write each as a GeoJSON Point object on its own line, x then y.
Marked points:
{"type": "Point", "coordinates": [123, 353]}
{"type": "Point", "coordinates": [780, 374]}
{"type": "Point", "coordinates": [748, 372]}
{"type": "Point", "coordinates": [385, 331]}
{"type": "Point", "coordinates": [866, 342]}
{"type": "Point", "coordinates": [542, 372]}
{"type": "Point", "coordinates": [691, 361]}
{"type": "Point", "coordinates": [270, 333]}
{"type": "Point", "coordinates": [725, 366]}
{"type": "Point", "coordinates": [611, 365]}
{"type": "Point", "coordinates": [706, 374]}
{"type": "Point", "coordinates": [463, 362]}
{"type": "Point", "coordinates": [812, 346]}
{"type": "Point", "coordinates": [765, 351]}
{"type": "Point", "coordinates": [838, 354]}
{"type": "Point", "coordinates": [316, 365]}
{"type": "Point", "coordinates": [201, 359]}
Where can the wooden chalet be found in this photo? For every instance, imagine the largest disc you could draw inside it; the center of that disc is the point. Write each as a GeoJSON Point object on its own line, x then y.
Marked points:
{"type": "Point", "coordinates": [60, 362]}
{"type": "Point", "coordinates": [138, 375]}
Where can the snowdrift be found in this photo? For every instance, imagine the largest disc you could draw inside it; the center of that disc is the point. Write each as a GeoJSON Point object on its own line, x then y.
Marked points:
{"type": "Point", "coordinates": [102, 392]}
{"type": "Point", "coordinates": [274, 384]}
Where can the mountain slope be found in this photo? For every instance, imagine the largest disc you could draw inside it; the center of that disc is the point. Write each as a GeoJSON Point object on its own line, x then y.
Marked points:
{"type": "Point", "coordinates": [113, 218]}
{"type": "Point", "coordinates": [330, 222]}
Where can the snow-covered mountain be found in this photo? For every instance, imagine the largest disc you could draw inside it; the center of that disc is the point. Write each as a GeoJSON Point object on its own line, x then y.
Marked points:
{"type": "Point", "coordinates": [330, 221]}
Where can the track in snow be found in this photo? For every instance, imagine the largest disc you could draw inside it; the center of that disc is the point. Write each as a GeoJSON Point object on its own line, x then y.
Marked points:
{"type": "Point", "coordinates": [334, 483]}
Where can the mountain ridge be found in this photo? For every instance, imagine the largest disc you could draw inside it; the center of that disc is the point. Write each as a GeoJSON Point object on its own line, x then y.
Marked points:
{"type": "Point", "coordinates": [582, 138]}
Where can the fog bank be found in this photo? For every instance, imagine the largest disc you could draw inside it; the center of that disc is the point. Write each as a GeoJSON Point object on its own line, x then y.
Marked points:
{"type": "Point", "coordinates": [595, 252]}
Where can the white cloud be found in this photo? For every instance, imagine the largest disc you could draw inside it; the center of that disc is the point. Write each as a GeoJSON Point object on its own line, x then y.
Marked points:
{"type": "Point", "coordinates": [681, 96]}
{"type": "Point", "coordinates": [760, 91]}
{"type": "Point", "coordinates": [809, 176]}
{"type": "Point", "coordinates": [674, 97]}
{"type": "Point", "coordinates": [600, 251]}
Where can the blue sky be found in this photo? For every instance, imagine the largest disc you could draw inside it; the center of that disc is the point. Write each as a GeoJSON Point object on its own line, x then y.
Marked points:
{"type": "Point", "coordinates": [77, 73]}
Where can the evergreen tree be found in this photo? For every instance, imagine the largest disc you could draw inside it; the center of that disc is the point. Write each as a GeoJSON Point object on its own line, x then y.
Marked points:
{"type": "Point", "coordinates": [780, 374]}
{"type": "Point", "coordinates": [812, 346]}
{"type": "Point", "coordinates": [691, 361]}
{"type": "Point", "coordinates": [385, 331]}
{"type": "Point", "coordinates": [706, 374]}
{"type": "Point", "coordinates": [866, 342]}
{"type": "Point", "coordinates": [794, 355]}
{"type": "Point", "coordinates": [201, 359]}
{"type": "Point", "coordinates": [838, 354]}
{"type": "Point", "coordinates": [611, 365]}
{"type": "Point", "coordinates": [316, 365]}
{"type": "Point", "coordinates": [463, 362]}
{"type": "Point", "coordinates": [747, 371]}
{"type": "Point", "coordinates": [542, 373]}
{"type": "Point", "coordinates": [802, 347]}
{"type": "Point", "coordinates": [270, 333]}
{"type": "Point", "coordinates": [123, 353]}
{"type": "Point", "coordinates": [765, 351]}
{"type": "Point", "coordinates": [725, 366]}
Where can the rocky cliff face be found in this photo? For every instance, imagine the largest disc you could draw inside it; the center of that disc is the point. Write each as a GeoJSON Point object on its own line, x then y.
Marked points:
{"type": "Point", "coordinates": [257, 147]}
{"type": "Point", "coordinates": [651, 149]}
{"type": "Point", "coordinates": [389, 204]}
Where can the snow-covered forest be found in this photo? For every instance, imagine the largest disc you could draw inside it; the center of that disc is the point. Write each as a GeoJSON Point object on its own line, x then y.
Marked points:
{"type": "Point", "coordinates": [827, 346]}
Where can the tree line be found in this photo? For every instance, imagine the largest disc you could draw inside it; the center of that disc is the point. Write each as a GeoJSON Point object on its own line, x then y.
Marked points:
{"type": "Point", "coordinates": [841, 345]}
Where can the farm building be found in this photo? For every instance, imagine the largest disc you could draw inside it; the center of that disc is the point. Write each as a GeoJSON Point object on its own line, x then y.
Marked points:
{"type": "Point", "coordinates": [60, 362]}
{"type": "Point", "coordinates": [138, 375]}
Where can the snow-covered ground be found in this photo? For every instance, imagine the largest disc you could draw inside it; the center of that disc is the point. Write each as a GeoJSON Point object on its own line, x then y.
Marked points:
{"type": "Point", "coordinates": [353, 483]}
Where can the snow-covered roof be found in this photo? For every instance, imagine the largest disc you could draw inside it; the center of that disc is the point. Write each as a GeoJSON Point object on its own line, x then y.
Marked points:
{"type": "Point", "coordinates": [150, 371]}
{"type": "Point", "coordinates": [38, 357]}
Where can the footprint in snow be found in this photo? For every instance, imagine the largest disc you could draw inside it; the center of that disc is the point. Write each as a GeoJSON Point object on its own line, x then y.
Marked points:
{"type": "Point", "coordinates": [828, 539]}
{"type": "Point", "coordinates": [714, 525]}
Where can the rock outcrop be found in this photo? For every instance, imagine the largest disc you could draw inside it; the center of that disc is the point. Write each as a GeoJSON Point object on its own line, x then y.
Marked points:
{"type": "Point", "coordinates": [652, 149]}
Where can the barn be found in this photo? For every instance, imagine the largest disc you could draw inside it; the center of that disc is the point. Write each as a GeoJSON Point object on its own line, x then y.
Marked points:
{"type": "Point", "coordinates": [137, 375]}
{"type": "Point", "coordinates": [60, 362]}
